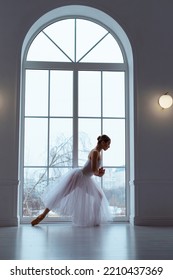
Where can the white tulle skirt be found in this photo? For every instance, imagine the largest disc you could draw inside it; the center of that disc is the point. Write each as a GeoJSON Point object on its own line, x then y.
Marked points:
{"type": "Point", "coordinates": [77, 195]}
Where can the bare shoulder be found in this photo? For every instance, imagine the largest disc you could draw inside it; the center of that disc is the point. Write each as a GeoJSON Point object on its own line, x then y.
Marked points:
{"type": "Point", "coordinates": [94, 154]}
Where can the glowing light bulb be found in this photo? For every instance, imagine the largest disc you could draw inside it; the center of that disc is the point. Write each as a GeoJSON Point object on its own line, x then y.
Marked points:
{"type": "Point", "coordinates": [165, 101]}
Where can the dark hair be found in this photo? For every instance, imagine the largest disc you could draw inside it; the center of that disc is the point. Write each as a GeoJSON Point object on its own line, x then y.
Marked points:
{"type": "Point", "coordinates": [104, 138]}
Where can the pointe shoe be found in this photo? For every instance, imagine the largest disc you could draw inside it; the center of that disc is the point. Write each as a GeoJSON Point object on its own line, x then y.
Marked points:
{"type": "Point", "coordinates": [37, 220]}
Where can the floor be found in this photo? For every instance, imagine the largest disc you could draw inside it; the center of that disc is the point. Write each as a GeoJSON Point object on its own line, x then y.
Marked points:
{"type": "Point", "coordinates": [120, 241]}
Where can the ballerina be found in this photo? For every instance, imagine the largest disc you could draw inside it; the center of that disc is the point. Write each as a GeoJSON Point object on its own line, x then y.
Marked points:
{"type": "Point", "coordinates": [77, 193]}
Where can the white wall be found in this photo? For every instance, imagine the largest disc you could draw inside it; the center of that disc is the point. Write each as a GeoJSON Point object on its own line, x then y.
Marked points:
{"type": "Point", "coordinates": [148, 25]}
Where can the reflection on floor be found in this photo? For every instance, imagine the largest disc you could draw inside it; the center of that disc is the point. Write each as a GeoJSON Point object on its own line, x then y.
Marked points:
{"type": "Point", "coordinates": [120, 241]}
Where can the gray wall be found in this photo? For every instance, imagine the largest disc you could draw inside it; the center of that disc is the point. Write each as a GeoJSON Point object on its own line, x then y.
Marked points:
{"type": "Point", "coordinates": [148, 25]}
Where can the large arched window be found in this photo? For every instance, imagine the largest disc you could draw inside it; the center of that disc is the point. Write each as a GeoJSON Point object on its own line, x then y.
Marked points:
{"type": "Point", "coordinates": [75, 87]}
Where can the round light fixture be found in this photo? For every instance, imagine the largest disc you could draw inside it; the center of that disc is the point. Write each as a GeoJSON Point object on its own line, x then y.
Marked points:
{"type": "Point", "coordinates": [165, 101]}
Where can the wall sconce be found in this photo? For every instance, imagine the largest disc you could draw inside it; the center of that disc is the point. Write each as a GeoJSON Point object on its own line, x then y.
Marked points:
{"type": "Point", "coordinates": [165, 101]}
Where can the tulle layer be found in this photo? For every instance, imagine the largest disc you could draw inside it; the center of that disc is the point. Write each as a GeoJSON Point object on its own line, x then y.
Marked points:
{"type": "Point", "coordinates": [77, 195]}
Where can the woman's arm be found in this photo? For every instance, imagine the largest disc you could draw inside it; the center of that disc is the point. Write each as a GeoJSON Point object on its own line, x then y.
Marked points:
{"type": "Point", "coordinates": [94, 164]}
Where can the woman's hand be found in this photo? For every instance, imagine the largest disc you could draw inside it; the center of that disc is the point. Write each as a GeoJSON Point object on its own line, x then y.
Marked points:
{"type": "Point", "coordinates": [101, 171]}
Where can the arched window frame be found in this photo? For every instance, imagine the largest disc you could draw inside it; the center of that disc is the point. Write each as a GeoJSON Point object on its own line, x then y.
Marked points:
{"type": "Point", "coordinates": [115, 29]}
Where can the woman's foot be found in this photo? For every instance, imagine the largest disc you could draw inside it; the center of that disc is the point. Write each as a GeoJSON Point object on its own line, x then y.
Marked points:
{"type": "Point", "coordinates": [38, 220]}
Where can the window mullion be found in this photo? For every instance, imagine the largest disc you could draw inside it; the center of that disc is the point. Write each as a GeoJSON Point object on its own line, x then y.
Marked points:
{"type": "Point", "coordinates": [75, 26]}
{"type": "Point", "coordinates": [48, 124]}
{"type": "Point", "coordinates": [75, 118]}
{"type": "Point", "coordinates": [101, 94]}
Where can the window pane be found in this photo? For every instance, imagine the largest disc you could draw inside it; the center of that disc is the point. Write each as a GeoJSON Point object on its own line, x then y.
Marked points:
{"type": "Point", "coordinates": [62, 33]}
{"type": "Point", "coordinates": [114, 189]}
{"type": "Point", "coordinates": [89, 130]}
{"type": "Point", "coordinates": [107, 50]}
{"type": "Point", "coordinates": [36, 93]}
{"type": "Point", "coordinates": [61, 87]}
{"type": "Point", "coordinates": [60, 142]}
{"type": "Point", "coordinates": [35, 181]}
{"type": "Point", "coordinates": [56, 173]}
{"type": "Point", "coordinates": [115, 129]}
{"type": "Point", "coordinates": [113, 94]}
{"type": "Point", "coordinates": [43, 49]}
{"type": "Point", "coordinates": [87, 35]}
{"type": "Point", "coordinates": [89, 94]}
{"type": "Point", "coordinates": [35, 142]}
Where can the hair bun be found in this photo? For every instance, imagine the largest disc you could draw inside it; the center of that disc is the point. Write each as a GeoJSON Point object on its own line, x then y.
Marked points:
{"type": "Point", "coordinates": [104, 138]}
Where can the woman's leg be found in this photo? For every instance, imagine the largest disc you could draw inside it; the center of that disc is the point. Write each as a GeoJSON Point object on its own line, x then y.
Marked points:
{"type": "Point", "coordinates": [40, 217]}
{"type": "Point", "coordinates": [46, 211]}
